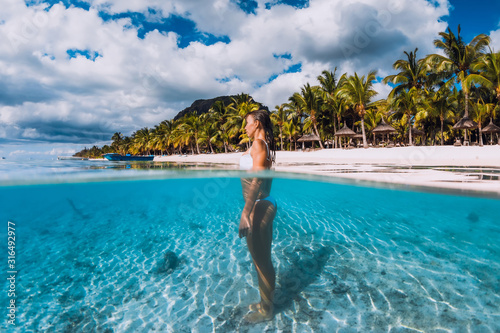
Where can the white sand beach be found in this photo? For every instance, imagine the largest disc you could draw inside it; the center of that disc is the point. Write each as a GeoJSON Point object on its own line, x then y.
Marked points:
{"type": "Point", "coordinates": [469, 168]}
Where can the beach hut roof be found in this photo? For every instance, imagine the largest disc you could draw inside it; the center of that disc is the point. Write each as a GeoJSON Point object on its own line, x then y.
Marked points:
{"type": "Point", "coordinates": [465, 123]}
{"type": "Point", "coordinates": [345, 131]}
{"type": "Point", "coordinates": [383, 127]}
{"type": "Point", "coordinates": [491, 128]}
{"type": "Point", "coordinates": [308, 137]}
{"type": "Point", "coordinates": [358, 136]}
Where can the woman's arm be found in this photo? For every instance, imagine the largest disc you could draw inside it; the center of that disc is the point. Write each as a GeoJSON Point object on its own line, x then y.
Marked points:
{"type": "Point", "coordinates": [252, 191]}
{"type": "Point", "coordinates": [259, 157]}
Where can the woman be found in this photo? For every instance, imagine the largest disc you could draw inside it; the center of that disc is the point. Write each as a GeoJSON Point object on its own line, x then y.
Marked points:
{"type": "Point", "coordinates": [256, 222]}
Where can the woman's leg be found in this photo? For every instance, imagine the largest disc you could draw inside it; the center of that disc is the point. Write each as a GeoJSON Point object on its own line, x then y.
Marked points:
{"type": "Point", "coordinates": [259, 244]}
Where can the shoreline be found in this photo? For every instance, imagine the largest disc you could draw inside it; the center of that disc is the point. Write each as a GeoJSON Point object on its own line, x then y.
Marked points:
{"type": "Point", "coordinates": [469, 169]}
{"type": "Point", "coordinates": [486, 156]}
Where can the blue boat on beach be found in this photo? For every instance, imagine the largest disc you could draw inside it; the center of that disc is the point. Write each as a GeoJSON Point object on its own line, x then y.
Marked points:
{"type": "Point", "coordinates": [128, 157]}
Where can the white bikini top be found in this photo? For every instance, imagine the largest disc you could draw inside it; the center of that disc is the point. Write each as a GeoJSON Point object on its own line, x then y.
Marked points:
{"type": "Point", "coordinates": [246, 161]}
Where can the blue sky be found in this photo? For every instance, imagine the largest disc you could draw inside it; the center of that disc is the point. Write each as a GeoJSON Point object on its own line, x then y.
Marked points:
{"type": "Point", "coordinates": [474, 17]}
{"type": "Point", "coordinates": [74, 72]}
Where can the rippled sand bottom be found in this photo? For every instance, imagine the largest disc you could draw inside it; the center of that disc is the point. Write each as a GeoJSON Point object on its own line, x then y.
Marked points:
{"type": "Point", "coordinates": [348, 259]}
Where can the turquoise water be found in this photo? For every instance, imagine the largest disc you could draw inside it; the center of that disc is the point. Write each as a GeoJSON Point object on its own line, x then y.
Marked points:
{"type": "Point", "coordinates": [91, 256]}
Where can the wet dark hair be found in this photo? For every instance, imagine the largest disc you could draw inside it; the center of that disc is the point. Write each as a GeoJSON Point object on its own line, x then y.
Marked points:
{"type": "Point", "coordinates": [263, 117]}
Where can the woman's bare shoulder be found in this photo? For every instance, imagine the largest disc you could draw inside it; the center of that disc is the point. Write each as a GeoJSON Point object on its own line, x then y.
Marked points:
{"type": "Point", "coordinates": [258, 146]}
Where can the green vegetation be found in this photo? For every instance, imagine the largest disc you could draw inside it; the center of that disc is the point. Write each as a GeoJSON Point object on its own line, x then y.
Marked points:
{"type": "Point", "coordinates": [430, 94]}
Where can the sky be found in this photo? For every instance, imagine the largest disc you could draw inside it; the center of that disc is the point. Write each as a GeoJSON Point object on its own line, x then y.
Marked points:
{"type": "Point", "coordinates": [74, 72]}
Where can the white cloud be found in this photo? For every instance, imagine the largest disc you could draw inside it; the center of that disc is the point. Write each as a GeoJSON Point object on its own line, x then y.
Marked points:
{"type": "Point", "coordinates": [136, 82]}
{"type": "Point", "coordinates": [495, 40]}
{"type": "Point", "coordinates": [17, 152]}
{"type": "Point", "coordinates": [382, 89]}
{"type": "Point", "coordinates": [25, 152]}
{"type": "Point", "coordinates": [61, 152]}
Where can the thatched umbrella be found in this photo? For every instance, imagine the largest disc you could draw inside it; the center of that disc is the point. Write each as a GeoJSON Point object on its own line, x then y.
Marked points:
{"type": "Point", "coordinates": [345, 132]}
{"type": "Point", "coordinates": [383, 128]}
{"type": "Point", "coordinates": [308, 138]}
{"type": "Point", "coordinates": [491, 128]}
{"type": "Point", "coordinates": [465, 123]}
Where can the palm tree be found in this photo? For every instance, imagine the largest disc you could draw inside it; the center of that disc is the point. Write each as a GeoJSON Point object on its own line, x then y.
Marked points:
{"type": "Point", "coordinates": [182, 134]}
{"type": "Point", "coordinates": [242, 105]}
{"type": "Point", "coordinates": [309, 101]}
{"type": "Point", "coordinates": [358, 91]}
{"type": "Point", "coordinates": [95, 152]}
{"type": "Point", "coordinates": [125, 145]}
{"type": "Point", "coordinates": [141, 141]}
{"type": "Point", "coordinates": [162, 135]}
{"type": "Point", "coordinates": [405, 106]}
{"type": "Point", "coordinates": [291, 128]}
{"type": "Point", "coordinates": [294, 126]}
{"type": "Point", "coordinates": [482, 112]}
{"type": "Point", "coordinates": [168, 127]}
{"type": "Point", "coordinates": [117, 138]}
{"type": "Point", "coordinates": [332, 105]}
{"type": "Point", "coordinates": [156, 139]}
{"type": "Point", "coordinates": [279, 116]}
{"type": "Point", "coordinates": [192, 127]}
{"type": "Point", "coordinates": [373, 117]}
{"type": "Point", "coordinates": [412, 73]}
{"type": "Point", "coordinates": [440, 104]}
{"type": "Point", "coordinates": [209, 131]}
{"type": "Point", "coordinates": [294, 106]}
{"type": "Point", "coordinates": [488, 73]}
{"type": "Point", "coordinates": [459, 58]}
{"type": "Point", "coordinates": [218, 114]}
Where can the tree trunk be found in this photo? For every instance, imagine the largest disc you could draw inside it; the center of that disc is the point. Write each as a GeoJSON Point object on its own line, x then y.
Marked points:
{"type": "Point", "coordinates": [466, 105]}
{"type": "Point", "coordinates": [466, 115]}
{"type": "Point", "coordinates": [410, 143]}
{"type": "Point", "coordinates": [317, 133]}
{"type": "Point", "coordinates": [335, 139]}
{"type": "Point", "coordinates": [480, 135]}
{"type": "Point", "coordinates": [281, 136]}
{"type": "Point", "coordinates": [442, 134]}
{"type": "Point", "coordinates": [365, 144]}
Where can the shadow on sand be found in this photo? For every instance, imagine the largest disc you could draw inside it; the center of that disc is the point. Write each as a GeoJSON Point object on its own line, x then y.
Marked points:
{"type": "Point", "coordinates": [306, 266]}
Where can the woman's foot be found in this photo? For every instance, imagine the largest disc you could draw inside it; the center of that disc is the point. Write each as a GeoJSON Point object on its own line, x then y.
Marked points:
{"type": "Point", "coordinates": [259, 314]}
{"type": "Point", "coordinates": [254, 307]}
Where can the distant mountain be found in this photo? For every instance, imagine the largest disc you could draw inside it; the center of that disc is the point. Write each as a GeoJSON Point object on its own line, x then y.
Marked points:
{"type": "Point", "coordinates": [201, 106]}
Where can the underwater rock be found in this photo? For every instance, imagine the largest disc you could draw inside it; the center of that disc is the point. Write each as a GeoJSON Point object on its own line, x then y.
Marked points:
{"type": "Point", "coordinates": [473, 217]}
{"type": "Point", "coordinates": [194, 226]}
{"type": "Point", "coordinates": [170, 262]}
{"type": "Point", "coordinates": [340, 288]}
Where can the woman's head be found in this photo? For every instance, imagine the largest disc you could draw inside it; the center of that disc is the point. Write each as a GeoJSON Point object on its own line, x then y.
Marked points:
{"type": "Point", "coordinates": [260, 119]}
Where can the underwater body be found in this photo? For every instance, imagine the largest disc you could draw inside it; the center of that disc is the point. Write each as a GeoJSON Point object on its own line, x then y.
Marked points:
{"type": "Point", "coordinates": [117, 251]}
